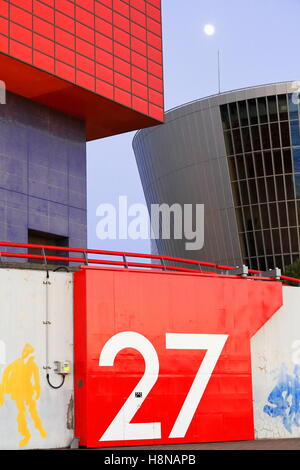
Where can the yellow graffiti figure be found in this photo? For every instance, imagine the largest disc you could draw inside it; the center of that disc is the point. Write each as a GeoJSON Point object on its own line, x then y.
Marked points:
{"type": "Point", "coordinates": [22, 382]}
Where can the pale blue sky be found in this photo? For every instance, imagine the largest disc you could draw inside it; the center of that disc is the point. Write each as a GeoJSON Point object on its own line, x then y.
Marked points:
{"type": "Point", "coordinates": [259, 44]}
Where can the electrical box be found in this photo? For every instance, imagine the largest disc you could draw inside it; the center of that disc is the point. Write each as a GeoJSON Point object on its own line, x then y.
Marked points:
{"type": "Point", "coordinates": [62, 367]}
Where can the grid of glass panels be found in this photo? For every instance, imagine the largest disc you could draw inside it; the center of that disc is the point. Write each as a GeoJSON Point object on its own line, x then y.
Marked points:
{"type": "Point", "coordinates": [111, 47]}
{"type": "Point", "coordinates": [262, 138]}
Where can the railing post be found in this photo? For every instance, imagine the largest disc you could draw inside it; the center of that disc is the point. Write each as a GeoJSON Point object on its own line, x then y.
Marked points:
{"type": "Point", "coordinates": [44, 255]}
{"type": "Point", "coordinates": [125, 262]}
{"type": "Point", "coordinates": [86, 262]}
{"type": "Point", "coordinates": [163, 263]}
{"type": "Point", "coordinates": [276, 273]}
{"type": "Point", "coordinates": [45, 261]}
{"type": "Point", "coordinates": [242, 271]}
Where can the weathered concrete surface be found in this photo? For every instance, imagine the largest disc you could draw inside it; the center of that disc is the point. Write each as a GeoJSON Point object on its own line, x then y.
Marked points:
{"type": "Point", "coordinates": [36, 415]}
{"type": "Point", "coordinates": [275, 352]}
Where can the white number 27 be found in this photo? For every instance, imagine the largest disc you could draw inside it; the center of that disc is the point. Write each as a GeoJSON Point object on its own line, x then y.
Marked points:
{"type": "Point", "coordinates": [120, 428]}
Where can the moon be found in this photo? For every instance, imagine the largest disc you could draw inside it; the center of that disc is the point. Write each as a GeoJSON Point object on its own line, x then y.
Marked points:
{"type": "Point", "coordinates": [209, 29]}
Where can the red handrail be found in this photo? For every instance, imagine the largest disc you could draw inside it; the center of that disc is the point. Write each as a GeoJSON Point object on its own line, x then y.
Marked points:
{"type": "Point", "coordinates": [125, 263]}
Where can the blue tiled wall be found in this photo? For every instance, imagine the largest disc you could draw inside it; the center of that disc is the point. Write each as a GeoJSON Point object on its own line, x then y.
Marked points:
{"type": "Point", "coordinates": [42, 172]}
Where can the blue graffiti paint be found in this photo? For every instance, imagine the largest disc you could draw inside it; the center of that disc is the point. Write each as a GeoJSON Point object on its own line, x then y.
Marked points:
{"type": "Point", "coordinates": [284, 399]}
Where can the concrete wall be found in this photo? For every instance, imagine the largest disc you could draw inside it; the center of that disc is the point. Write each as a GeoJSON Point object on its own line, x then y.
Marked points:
{"type": "Point", "coordinates": [276, 371]}
{"type": "Point", "coordinates": [275, 353]}
{"type": "Point", "coordinates": [42, 172]}
{"type": "Point", "coordinates": [23, 300]}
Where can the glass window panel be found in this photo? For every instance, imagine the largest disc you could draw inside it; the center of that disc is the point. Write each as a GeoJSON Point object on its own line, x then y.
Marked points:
{"type": "Point", "coordinates": [268, 163]}
{"type": "Point", "coordinates": [271, 189]}
{"type": "Point", "coordinates": [247, 218]}
{"type": "Point", "coordinates": [294, 239]}
{"type": "Point", "coordinates": [246, 139]}
{"type": "Point", "coordinates": [259, 242]}
{"type": "Point", "coordinates": [297, 186]}
{"type": "Point", "coordinates": [237, 141]}
{"type": "Point", "coordinates": [251, 244]}
{"type": "Point", "coordinates": [243, 113]}
{"type": "Point", "coordinates": [236, 194]}
{"type": "Point", "coordinates": [276, 241]}
{"type": "Point", "coordinates": [265, 135]}
{"type": "Point", "coordinates": [298, 210]}
{"type": "Point", "coordinates": [272, 108]}
{"type": "Point", "coordinates": [243, 245]}
{"type": "Point", "coordinates": [262, 109]}
{"type": "Point", "coordinates": [295, 132]}
{"type": "Point", "coordinates": [274, 215]}
{"type": "Point", "coordinates": [249, 165]}
{"type": "Point", "coordinates": [278, 262]}
{"type": "Point", "coordinates": [234, 115]}
{"type": "Point", "coordinates": [285, 134]}
{"type": "Point", "coordinates": [287, 160]}
{"type": "Point", "coordinates": [256, 217]}
{"type": "Point", "coordinates": [258, 160]}
{"type": "Point", "coordinates": [287, 260]}
{"type": "Point", "coordinates": [244, 193]}
{"type": "Point", "coordinates": [268, 242]}
{"type": "Point", "coordinates": [283, 107]}
{"type": "Point", "coordinates": [296, 157]}
{"type": "Point", "coordinates": [240, 221]}
{"type": "Point", "coordinates": [282, 214]}
{"type": "Point", "coordinates": [262, 190]}
{"type": "Point", "coordinates": [289, 187]}
{"type": "Point", "coordinates": [295, 257]}
{"type": "Point", "coordinates": [275, 135]}
{"type": "Point", "coordinates": [255, 138]}
{"type": "Point", "coordinates": [293, 106]}
{"type": "Point", "coordinates": [228, 143]}
{"type": "Point", "coordinates": [270, 262]}
{"type": "Point", "coordinates": [254, 263]}
{"type": "Point", "coordinates": [262, 264]}
{"type": "Point", "coordinates": [292, 213]}
{"type": "Point", "coordinates": [253, 111]}
{"type": "Point", "coordinates": [225, 116]}
{"type": "Point", "coordinates": [240, 165]}
{"type": "Point", "coordinates": [253, 191]}
{"type": "Point", "coordinates": [285, 240]}
{"type": "Point", "coordinates": [265, 216]}
{"type": "Point", "coordinates": [280, 188]}
{"type": "Point", "coordinates": [277, 159]}
{"type": "Point", "coordinates": [232, 169]}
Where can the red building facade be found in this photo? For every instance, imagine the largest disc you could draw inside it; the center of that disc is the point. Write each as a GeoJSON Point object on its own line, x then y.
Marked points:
{"type": "Point", "coordinates": [96, 60]}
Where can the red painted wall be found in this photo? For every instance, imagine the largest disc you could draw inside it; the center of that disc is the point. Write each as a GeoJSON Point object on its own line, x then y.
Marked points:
{"type": "Point", "coordinates": [112, 48]}
{"type": "Point", "coordinates": [173, 331]}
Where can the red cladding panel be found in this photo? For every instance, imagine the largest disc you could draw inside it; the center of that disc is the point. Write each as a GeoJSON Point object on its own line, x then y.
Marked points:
{"type": "Point", "coordinates": [101, 48]}
{"type": "Point", "coordinates": [4, 8]}
{"type": "Point", "coordinates": [4, 26]}
{"type": "Point", "coordinates": [3, 43]}
{"type": "Point", "coordinates": [165, 358]}
{"type": "Point", "coordinates": [43, 61]}
{"type": "Point", "coordinates": [65, 71]}
{"type": "Point", "coordinates": [42, 27]}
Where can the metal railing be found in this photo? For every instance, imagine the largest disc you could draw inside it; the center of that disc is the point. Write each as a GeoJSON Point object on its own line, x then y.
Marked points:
{"type": "Point", "coordinates": [127, 260]}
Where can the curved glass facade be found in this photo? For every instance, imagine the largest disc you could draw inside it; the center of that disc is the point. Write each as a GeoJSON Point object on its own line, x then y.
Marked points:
{"type": "Point", "coordinates": [262, 138]}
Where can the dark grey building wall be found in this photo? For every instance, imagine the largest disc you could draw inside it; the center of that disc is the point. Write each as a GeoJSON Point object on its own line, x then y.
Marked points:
{"type": "Point", "coordinates": [42, 172]}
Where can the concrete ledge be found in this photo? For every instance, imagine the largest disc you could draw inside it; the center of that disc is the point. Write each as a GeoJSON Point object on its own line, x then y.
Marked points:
{"type": "Point", "coordinates": [39, 267]}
